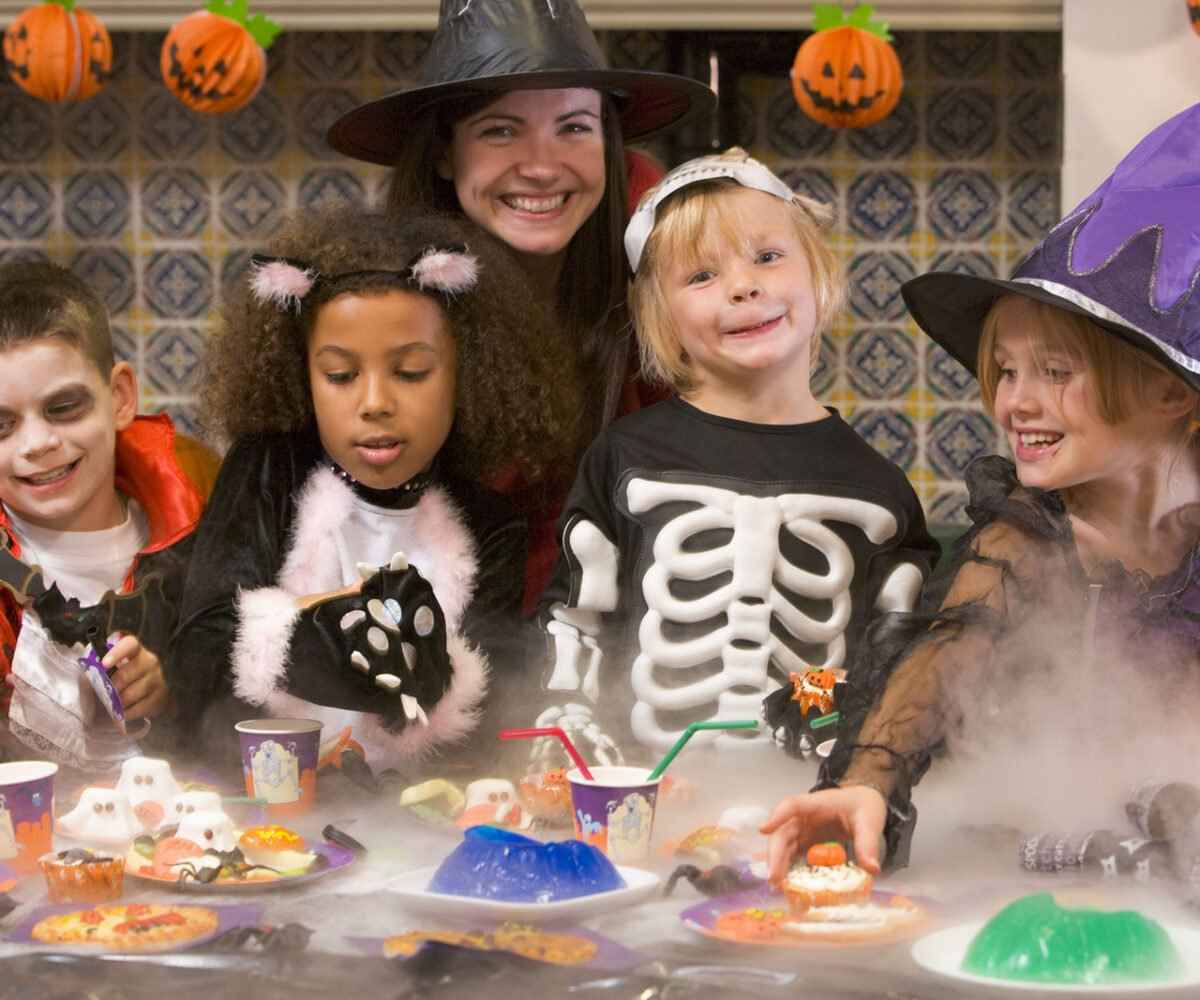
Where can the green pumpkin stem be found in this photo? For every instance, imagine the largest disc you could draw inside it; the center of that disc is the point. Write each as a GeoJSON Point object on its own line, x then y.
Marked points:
{"type": "Point", "coordinates": [830, 15]}
{"type": "Point", "coordinates": [262, 29]}
{"type": "Point", "coordinates": [65, 4]}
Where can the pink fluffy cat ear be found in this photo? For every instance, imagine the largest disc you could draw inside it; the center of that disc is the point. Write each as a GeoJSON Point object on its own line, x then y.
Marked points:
{"type": "Point", "coordinates": [280, 282]}
{"type": "Point", "coordinates": [449, 270]}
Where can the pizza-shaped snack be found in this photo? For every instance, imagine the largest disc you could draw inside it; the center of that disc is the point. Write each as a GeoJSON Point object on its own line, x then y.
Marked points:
{"type": "Point", "coordinates": [128, 927]}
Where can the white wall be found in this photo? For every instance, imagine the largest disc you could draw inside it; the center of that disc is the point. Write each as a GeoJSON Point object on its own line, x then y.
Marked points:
{"type": "Point", "coordinates": [1128, 65]}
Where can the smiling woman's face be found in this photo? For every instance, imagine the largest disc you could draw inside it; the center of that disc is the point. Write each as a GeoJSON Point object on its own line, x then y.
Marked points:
{"type": "Point", "coordinates": [529, 167]}
{"type": "Point", "coordinates": [382, 368]}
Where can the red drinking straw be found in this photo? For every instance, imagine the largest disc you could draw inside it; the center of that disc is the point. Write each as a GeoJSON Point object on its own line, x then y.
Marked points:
{"type": "Point", "coordinates": [556, 731]}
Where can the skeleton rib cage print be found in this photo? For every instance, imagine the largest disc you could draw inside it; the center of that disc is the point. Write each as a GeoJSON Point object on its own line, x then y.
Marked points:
{"type": "Point", "coordinates": [705, 559]}
{"type": "Point", "coordinates": [740, 591]}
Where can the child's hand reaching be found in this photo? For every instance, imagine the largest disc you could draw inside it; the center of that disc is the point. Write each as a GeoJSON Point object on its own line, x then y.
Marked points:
{"type": "Point", "coordinates": [138, 678]}
{"type": "Point", "coordinates": [856, 813]}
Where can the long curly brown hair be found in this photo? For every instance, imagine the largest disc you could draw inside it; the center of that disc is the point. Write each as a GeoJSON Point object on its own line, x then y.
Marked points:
{"type": "Point", "coordinates": [517, 390]}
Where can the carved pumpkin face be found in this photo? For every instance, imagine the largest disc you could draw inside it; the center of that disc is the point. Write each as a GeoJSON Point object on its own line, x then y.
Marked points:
{"type": "Point", "coordinates": [212, 63]}
{"type": "Point", "coordinates": [846, 78]}
{"type": "Point", "coordinates": [57, 54]}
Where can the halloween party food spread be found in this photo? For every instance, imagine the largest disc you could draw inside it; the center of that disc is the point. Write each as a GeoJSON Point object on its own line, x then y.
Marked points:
{"type": "Point", "coordinates": [103, 817]}
{"type": "Point", "coordinates": [734, 836]}
{"type": "Point", "coordinates": [150, 787]}
{"type": "Point", "coordinates": [547, 796]}
{"type": "Point", "coordinates": [206, 849]}
{"type": "Point", "coordinates": [82, 876]}
{"type": "Point", "coordinates": [128, 927]}
{"type": "Point", "coordinates": [761, 916]}
{"type": "Point", "coordinates": [435, 801]}
{"type": "Point", "coordinates": [496, 864]}
{"type": "Point", "coordinates": [1036, 940]}
{"type": "Point", "coordinates": [826, 879]}
{"type": "Point", "coordinates": [521, 939]}
{"type": "Point", "coordinates": [494, 801]}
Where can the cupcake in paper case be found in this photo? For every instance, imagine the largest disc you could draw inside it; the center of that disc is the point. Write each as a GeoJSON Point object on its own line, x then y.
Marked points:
{"type": "Point", "coordinates": [826, 879]}
{"type": "Point", "coordinates": [82, 876]}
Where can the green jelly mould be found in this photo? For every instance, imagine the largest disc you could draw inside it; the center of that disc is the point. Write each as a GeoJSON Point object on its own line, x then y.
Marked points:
{"type": "Point", "coordinates": [1037, 940]}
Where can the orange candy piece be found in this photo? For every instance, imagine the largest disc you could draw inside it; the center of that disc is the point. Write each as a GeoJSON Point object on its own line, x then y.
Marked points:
{"type": "Point", "coordinates": [826, 855]}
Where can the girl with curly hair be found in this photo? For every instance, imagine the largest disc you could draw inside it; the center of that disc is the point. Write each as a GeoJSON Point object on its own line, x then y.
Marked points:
{"type": "Point", "coordinates": [350, 567]}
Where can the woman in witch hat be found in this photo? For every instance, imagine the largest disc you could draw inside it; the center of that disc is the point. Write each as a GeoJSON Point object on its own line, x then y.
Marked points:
{"type": "Point", "coordinates": [517, 122]}
{"type": "Point", "coordinates": [1081, 572]}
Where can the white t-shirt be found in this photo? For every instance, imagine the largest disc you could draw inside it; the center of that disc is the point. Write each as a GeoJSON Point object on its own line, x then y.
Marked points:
{"type": "Point", "coordinates": [84, 564]}
{"type": "Point", "coordinates": [372, 535]}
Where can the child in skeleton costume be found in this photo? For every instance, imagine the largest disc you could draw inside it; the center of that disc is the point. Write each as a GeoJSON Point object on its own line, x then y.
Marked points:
{"type": "Point", "coordinates": [740, 532]}
{"type": "Point", "coordinates": [97, 517]}
{"type": "Point", "coordinates": [1084, 553]}
{"type": "Point", "coordinates": [351, 569]}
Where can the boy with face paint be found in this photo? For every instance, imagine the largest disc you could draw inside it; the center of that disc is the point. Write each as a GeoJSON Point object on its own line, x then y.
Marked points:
{"type": "Point", "coordinates": [96, 498]}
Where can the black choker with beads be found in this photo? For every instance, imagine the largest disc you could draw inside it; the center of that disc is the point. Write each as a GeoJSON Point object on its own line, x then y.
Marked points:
{"type": "Point", "coordinates": [394, 498]}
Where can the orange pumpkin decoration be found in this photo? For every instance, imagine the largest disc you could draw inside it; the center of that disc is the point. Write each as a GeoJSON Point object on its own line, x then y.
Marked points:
{"type": "Point", "coordinates": [215, 59]}
{"type": "Point", "coordinates": [58, 52]}
{"type": "Point", "coordinates": [830, 854]}
{"type": "Point", "coordinates": [846, 75]}
{"type": "Point", "coordinates": [1194, 14]}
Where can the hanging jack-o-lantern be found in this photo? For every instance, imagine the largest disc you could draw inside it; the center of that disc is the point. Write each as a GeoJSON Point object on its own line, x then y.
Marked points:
{"type": "Point", "coordinates": [58, 52]}
{"type": "Point", "coordinates": [1194, 14]}
{"type": "Point", "coordinates": [846, 74]}
{"type": "Point", "coordinates": [215, 59]}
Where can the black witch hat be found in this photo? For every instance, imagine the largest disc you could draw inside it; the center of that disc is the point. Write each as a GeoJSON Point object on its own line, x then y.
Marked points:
{"type": "Point", "coordinates": [491, 46]}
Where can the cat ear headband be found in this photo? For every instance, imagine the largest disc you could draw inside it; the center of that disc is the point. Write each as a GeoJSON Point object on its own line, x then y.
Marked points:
{"type": "Point", "coordinates": [286, 282]}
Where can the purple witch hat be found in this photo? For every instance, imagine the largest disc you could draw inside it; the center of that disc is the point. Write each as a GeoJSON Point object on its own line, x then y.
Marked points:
{"type": "Point", "coordinates": [1128, 258]}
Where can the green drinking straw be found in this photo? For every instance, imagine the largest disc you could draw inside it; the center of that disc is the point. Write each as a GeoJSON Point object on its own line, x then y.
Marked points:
{"type": "Point", "coordinates": [825, 720]}
{"type": "Point", "coordinates": [689, 733]}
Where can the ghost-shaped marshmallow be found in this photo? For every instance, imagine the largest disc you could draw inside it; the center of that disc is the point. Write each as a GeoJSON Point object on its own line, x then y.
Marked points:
{"type": "Point", "coordinates": [495, 801]}
{"type": "Point", "coordinates": [744, 819]}
{"type": "Point", "coordinates": [211, 829]}
{"type": "Point", "coordinates": [150, 786]}
{"type": "Point", "coordinates": [103, 818]}
{"type": "Point", "coordinates": [186, 803]}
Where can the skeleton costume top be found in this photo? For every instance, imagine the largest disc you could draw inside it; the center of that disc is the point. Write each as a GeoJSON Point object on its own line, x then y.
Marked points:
{"type": "Point", "coordinates": [706, 558]}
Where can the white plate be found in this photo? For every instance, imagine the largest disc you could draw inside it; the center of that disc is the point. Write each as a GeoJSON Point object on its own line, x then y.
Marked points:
{"type": "Point", "coordinates": [410, 887]}
{"type": "Point", "coordinates": [942, 953]}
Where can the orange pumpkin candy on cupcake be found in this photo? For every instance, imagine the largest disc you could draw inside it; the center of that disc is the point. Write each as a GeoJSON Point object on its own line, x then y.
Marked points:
{"type": "Point", "coordinates": [826, 878]}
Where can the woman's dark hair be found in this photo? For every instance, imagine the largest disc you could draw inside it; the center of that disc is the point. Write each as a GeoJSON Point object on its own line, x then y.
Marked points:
{"type": "Point", "coordinates": [591, 291]}
{"type": "Point", "coordinates": [516, 400]}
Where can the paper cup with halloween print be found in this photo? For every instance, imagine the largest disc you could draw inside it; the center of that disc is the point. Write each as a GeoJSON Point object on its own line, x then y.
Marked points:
{"type": "Point", "coordinates": [26, 812]}
{"type": "Point", "coordinates": [279, 762]}
{"type": "Point", "coordinates": [615, 810]}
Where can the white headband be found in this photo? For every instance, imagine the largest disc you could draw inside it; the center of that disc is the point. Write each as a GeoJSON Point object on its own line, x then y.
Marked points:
{"type": "Point", "coordinates": [748, 173]}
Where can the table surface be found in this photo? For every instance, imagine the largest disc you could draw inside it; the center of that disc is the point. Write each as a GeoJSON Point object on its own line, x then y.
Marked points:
{"type": "Point", "coordinates": [967, 877]}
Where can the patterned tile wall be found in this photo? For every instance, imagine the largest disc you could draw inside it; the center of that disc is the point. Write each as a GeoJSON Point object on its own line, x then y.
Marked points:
{"type": "Point", "coordinates": [160, 208]}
